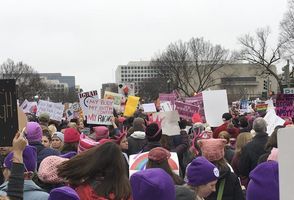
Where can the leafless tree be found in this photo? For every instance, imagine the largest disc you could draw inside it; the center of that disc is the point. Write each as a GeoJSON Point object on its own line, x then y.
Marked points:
{"type": "Point", "coordinates": [256, 50]}
{"type": "Point", "coordinates": [191, 65]}
{"type": "Point", "coordinates": [287, 31]}
{"type": "Point", "coordinates": [28, 81]}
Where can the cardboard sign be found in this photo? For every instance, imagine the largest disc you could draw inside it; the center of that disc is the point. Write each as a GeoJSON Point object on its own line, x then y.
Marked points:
{"type": "Point", "coordinates": [166, 106]}
{"type": "Point", "coordinates": [186, 110]}
{"type": "Point", "coordinates": [131, 106]}
{"type": "Point", "coordinates": [286, 162]}
{"type": "Point", "coordinates": [272, 121]}
{"type": "Point", "coordinates": [55, 110]}
{"type": "Point", "coordinates": [149, 107]}
{"type": "Point", "coordinates": [117, 99]}
{"type": "Point", "coordinates": [8, 112]}
{"type": "Point", "coordinates": [284, 107]}
{"type": "Point", "coordinates": [84, 98]}
{"type": "Point", "coordinates": [22, 119]}
{"type": "Point", "coordinates": [215, 105]}
{"type": "Point", "coordinates": [137, 162]}
{"type": "Point", "coordinates": [169, 124]}
{"type": "Point", "coordinates": [100, 111]}
{"type": "Point", "coordinates": [126, 89]}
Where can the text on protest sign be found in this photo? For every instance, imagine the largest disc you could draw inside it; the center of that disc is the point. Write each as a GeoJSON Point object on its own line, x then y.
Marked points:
{"type": "Point", "coordinates": [186, 110]}
{"type": "Point", "coordinates": [8, 112]}
{"type": "Point", "coordinates": [284, 105]}
{"type": "Point", "coordinates": [29, 107]}
{"type": "Point", "coordinates": [197, 100]}
{"type": "Point", "coordinates": [55, 110]}
{"type": "Point", "coordinates": [84, 98]}
{"type": "Point", "coordinates": [171, 97]}
{"type": "Point", "coordinates": [100, 111]}
{"type": "Point", "coordinates": [117, 99]}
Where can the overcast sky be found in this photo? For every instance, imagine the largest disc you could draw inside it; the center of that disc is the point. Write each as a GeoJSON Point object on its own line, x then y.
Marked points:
{"type": "Point", "coordinates": [89, 39]}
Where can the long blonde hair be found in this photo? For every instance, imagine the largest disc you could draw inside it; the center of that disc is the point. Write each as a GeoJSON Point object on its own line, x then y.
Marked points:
{"type": "Point", "coordinates": [242, 139]}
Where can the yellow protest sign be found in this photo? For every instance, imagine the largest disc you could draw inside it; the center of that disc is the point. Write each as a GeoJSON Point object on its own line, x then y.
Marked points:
{"type": "Point", "coordinates": [131, 105]}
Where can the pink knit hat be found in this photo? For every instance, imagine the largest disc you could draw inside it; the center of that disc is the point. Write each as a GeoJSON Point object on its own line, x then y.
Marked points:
{"type": "Point", "coordinates": [48, 169]}
{"type": "Point", "coordinates": [86, 143]}
{"type": "Point", "coordinates": [101, 132]}
{"type": "Point", "coordinates": [212, 149]}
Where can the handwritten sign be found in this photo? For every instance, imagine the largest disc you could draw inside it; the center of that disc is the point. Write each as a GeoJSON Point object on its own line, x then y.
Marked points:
{"type": "Point", "coordinates": [272, 120]}
{"type": "Point", "coordinates": [149, 107]}
{"type": "Point", "coordinates": [100, 111]}
{"type": "Point", "coordinates": [117, 99]}
{"type": "Point", "coordinates": [284, 105]}
{"type": "Point", "coordinates": [29, 107]}
{"type": "Point", "coordinates": [186, 110]}
{"type": "Point", "coordinates": [165, 106]}
{"type": "Point", "coordinates": [8, 112]}
{"type": "Point", "coordinates": [84, 98]}
{"type": "Point", "coordinates": [55, 110]}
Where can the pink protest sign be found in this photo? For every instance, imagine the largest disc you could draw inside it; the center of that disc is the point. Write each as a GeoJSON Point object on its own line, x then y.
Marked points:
{"type": "Point", "coordinates": [284, 105]}
{"type": "Point", "coordinates": [168, 97]}
{"type": "Point", "coordinates": [186, 110]}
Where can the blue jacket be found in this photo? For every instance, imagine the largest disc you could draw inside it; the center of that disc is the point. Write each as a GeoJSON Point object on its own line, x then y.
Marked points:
{"type": "Point", "coordinates": [31, 191]}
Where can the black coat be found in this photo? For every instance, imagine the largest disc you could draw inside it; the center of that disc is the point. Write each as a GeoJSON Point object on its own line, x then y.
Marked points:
{"type": "Point", "coordinates": [251, 152]}
{"type": "Point", "coordinates": [232, 188]}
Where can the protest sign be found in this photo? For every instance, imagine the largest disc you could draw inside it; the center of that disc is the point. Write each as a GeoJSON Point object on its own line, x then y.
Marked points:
{"type": "Point", "coordinates": [170, 122]}
{"type": "Point", "coordinates": [100, 111]}
{"type": "Point", "coordinates": [55, 110]}
{"type": "Point", "coordinates": [197, 100]}
{"type": "Point", "coordinates": [165, 106]}
{"type": "Point", "coordinates": [215, 105]}
{"type": "Point", "coordinates": [272, 121]}
{"type": "Point", "coordinates": [186, 110]}
{"type": "Point", "coordinates": [84, 98]}
{"type": "Point", "coordinates": [126, 89]}
{"type": "Point", "coordinates": [284, 105]}
{"type": "Point", "coordinates": [244, 106]}
{"type": "Point", "coordinates": [8, 112]}
{"type": "Point", "coordinates": [288, 90]}
{"type": "Point", "coordinates": [137, 162]}
{"type": "Point", "coordinates": [261, 107]}
{"type": "Point", "coordinates": [149, 107]}
{"type": "Point", "coordinates": [171, 97]}
{"type": "Point", "coordinates": [117, 99]}
{"type": "Point", "coordinates": [131, 106]}
{"type": "Point", "coordinates": [29, 107]}
{"type": "Point", "coordinates": [286, 162]}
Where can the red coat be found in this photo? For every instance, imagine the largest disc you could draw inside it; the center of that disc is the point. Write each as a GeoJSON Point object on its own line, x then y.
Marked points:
{"type": "Point", "coordinates": [234, 132]}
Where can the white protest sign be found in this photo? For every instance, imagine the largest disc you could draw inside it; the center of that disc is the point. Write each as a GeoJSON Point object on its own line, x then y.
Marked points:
{"type": "Point", "coordinates": [137, 162]}
{"type": "Point", "coordinates": [286, 162]}
{"type": "Point", "coordinates": [149, 107]}
{"type": "Point", "coordinates": [28, 107]}
{"type": "Point", "coordinates": [126, 89]}
{"type": "Point", "coordinates": [100, 111]}
{"type": "Point", "coordinates": [272, 121]}
{"type": "Point", "coordinates": [84, 98]}
{"type": "Point", "coordinates": [117, 99]}
{"type": "Point", "coordinates": [215, 105]}
{"type": "Point", "coordinates": [55, 110]}
{"type": "Point", "coordinates": [166, 106]}
{"type": "Point", "coordinates": [170, 122]}
{"type": "Point", "coordinates": [69, 114]}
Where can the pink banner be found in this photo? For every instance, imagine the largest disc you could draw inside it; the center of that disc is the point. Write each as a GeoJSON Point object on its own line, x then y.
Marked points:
{"type": "Point", "coordinates": [186, 110]}
{"type": "Point", "coordinates": [284, 105]}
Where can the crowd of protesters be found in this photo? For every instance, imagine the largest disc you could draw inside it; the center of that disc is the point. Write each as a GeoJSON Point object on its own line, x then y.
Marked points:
{"type": "Point", "coordinates": [49, 160]}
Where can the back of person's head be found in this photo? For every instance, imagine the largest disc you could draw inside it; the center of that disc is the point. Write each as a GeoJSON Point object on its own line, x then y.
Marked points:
{"type": "Point", "coordinates": [139, 124]}
{"type": "Point", "coordinates": [183, 123]}
{"type": "Point", "coordinates": [243, 122]}
{"type": "Point", "coordinates": [242, 139]}
{"type": "Point", "coordinates": [153, 132]}
{"type": "Point", "coordinates": [259, 125]}
{"type": "Point", "coordinates": [225, 135]}
{"type": "Point", "coordinates": [44, 119]}
{"type": "Point", "coordinates": [152, 183]}
{"type": "Point", "coordinates": [201, 172]}
{"type": "Point", "coordinates": [264, 182]}
{"type": "Point", "coordinates": [212, 149]}
{"type": "Point", "coordinates": [226, 117]}
{"type": "Point", "coordinates": [63, 193]}
{"type": "Point", "coordinates": [273, 139]}
{"type": "Point", "coordinates": [104, 163]}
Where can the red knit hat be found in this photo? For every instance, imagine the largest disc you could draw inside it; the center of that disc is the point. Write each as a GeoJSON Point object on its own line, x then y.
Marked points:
{"type": "Point", "coordinates": [71, 135]}
{"type": "Point", "coordinates": [159, 154]}
{"type": "Point", "coordinates": [196, 118]}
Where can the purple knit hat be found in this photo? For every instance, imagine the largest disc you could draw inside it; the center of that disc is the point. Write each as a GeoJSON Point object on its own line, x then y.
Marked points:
{"type": "Point", "coordinates": [264, 182]}
{"type": "Point", "coordinates": [33, 132]}
{"type": "Point", "coordinates": [201, 172]}
{"type": "Point", "coordinates": [29, 158]}
{"type": "Point", "coordinates": [153, 183]}
{"type": "Point", "coordinates": [63, 193]}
